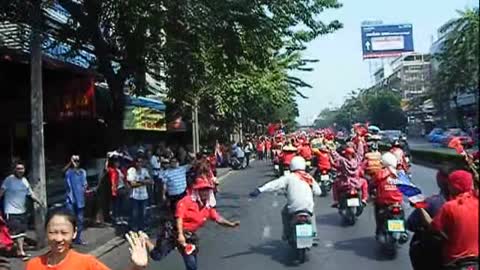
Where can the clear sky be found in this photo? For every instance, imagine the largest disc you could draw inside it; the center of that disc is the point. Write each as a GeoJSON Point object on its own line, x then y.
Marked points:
{"type": "Point", "coordinates": [341, 69]}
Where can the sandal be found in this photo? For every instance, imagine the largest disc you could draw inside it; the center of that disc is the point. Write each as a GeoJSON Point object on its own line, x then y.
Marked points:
{"type": "Point", "coordinates": [25, 257]}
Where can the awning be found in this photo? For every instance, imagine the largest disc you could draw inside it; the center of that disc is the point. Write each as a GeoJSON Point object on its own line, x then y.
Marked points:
{"type": "Point", "coordinates": [145, 102]}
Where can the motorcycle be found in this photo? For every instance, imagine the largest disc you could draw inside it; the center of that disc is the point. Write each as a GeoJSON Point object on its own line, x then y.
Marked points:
{"type": "Point", "coordinates": [237, 163]}
{"type": "Point", "coordinates": [324, 179]}
{"type": "Point", "coordinates": [308, 164]}
{"type": "Point", "coordinates": [350, 206]}
{"type": "Point", "coordinates": [301, 234]}
{"type": "Point", "coordinates": [393, 233]}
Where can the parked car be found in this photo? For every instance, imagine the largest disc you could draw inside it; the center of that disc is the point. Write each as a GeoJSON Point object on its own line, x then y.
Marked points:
{"type": "Point", "coordinates": [389, 136]}
{"type": "Point", "coordinates": [435, 136]}
{"type": "Point", "coordinates": [467, 140]}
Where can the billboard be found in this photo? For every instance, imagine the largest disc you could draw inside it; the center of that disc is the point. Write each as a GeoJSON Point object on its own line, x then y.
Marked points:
{"type": "Point", "coordinates": [379, 41]}
{"type": "Point", "coordinates": [144, 114]}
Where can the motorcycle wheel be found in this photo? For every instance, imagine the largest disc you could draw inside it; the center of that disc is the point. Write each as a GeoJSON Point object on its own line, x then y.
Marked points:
{"type": "Point", "coordinates": [350, 215]}
{"type": "Point", "coordinates": [390, 248]}
{"type": "Point", "coordinates": [302, 255]}
{"type": "Point", "coordinates": [324, 190]}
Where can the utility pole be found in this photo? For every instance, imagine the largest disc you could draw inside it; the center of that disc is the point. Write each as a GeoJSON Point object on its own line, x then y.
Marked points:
{"type": "Point", "coordinates": [197, 128]}
{"type": "Point", "coordinates": [36, 111]}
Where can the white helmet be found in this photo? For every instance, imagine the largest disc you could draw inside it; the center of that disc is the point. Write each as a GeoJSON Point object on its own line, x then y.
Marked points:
{"type": "Point", "coordinates": [389, 160]}
{"type": "Point", "coordinates": [298, 164]}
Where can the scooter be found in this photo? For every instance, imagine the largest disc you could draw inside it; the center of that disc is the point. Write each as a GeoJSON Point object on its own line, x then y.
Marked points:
{"type": "Point", "coordinates": [325, 181]}
{"type": "Point", "coordinates": [393, 233]}
{"type": "Point", "coordinates": [237, 163]}
{"type": "Point", "coordinates": [350, 206]}
{"type": "Point", "coordinates": [301, 234]}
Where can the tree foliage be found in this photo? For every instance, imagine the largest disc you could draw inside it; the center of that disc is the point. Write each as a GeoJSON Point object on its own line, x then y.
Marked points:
{"type": "Point", "coordinates": [231, 56]}
{"type": "Point", "coordinates": [458, 60]}
{"type": "Point", "coordinates": [380, 107]}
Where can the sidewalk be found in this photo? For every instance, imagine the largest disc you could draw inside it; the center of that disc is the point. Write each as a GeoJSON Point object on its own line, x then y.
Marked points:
{"type": "Point", "coordinates": [99, 240]}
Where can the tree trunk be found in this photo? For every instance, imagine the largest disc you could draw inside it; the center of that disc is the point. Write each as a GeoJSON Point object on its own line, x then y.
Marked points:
{"type": "Point", "coordinates": [36, 111]}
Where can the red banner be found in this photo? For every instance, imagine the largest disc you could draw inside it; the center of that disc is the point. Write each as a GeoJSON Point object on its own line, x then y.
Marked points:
{"type": "Point", "coordinates": [72, 99]}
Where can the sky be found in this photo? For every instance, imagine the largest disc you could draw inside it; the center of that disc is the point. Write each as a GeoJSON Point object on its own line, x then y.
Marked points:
{"type": "Point", "coordinates": [341, 68]}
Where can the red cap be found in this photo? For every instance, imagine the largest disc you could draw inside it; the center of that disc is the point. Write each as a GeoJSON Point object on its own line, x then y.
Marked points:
{"type": "Point", "coordinates": [349, 151]}
{"type": "Point", "coordinates": [461, 181]}
{"type": "Point", "coordinates": [202, 183]}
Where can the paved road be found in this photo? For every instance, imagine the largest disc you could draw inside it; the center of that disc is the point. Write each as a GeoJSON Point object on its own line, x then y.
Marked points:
{"type": "Point", "coordinates": [257, 245]}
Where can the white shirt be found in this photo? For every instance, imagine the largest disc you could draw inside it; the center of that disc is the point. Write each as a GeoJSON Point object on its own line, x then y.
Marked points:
{"type": "Point", "coordinates": [155, 163]}
{"type": "Point", "coordinates": [299, 193]}
{"type": "Point", "coordinates": [138, 193]}
{"type": "Point", "coordinates": [16, 192]}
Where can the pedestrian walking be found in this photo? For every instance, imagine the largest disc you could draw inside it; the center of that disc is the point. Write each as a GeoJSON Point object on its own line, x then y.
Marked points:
{"type": "Point", "coordinates": [76, 185]}
{"type": "Point", "coordinates": [15, 189]}
{"type": "Point", "coordinates": [248, 152]}
{"type": "Point", "coordinates": [139, 178]}
{"type": "Point", "coordinates": [174, 180]}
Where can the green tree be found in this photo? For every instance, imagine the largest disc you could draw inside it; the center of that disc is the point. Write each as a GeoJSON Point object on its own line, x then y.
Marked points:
{"type": "Point", "coordinates": [458, 60]}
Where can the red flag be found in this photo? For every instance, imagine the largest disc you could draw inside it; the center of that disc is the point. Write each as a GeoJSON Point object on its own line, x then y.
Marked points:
{"type": "Point", "coordinates": [456, 144]}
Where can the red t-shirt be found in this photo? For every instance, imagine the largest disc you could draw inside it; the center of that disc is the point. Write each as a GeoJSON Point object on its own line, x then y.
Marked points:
{"type": "Point", "coordinates": [305, 151]}
{"type": "Point", "coordinates": [260, 146]}
{"type": "Point", "coordinates": [192, 215]}
{"type": "Point", "coordinates": [268, 145]}
{"type": "Point", "coordinates": [387, 192]}
{"type": "Point", "coordinates": [323, 161]}
{"type": "Point", "coordinates": [287, 157]}
{"type": "Point", "coordinates": [458, 219]}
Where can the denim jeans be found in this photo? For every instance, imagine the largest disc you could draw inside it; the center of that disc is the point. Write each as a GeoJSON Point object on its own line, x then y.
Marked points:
{"type": "Point", "coordinates": [138, 215]}
{"type": "Point", "coordinates": [78, 212]}
{"type": "Point", "coordinates": [163, 248]}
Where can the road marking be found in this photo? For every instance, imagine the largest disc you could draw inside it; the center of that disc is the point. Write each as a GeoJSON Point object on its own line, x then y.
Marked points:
{"type": "Point", "coordinates": [328, 244]}
{"type": "Point", "coordinates": [266, 232]}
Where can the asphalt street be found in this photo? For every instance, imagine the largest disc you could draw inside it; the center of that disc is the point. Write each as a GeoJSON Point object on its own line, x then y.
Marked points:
{"type": "Point", "coordinates": [257, 245]}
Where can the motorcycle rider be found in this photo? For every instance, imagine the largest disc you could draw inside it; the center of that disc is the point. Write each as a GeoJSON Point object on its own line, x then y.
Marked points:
{"type": "Point", "coordinates": [324, 160]}
{"type": "Point", "coordinates": [373, 161]}
{"type": "Point", "coordinates": [305, 151]}
{"type": "Point", "coordinates": [300, 186]}
{"type": "Point", "coordinates": [349, 173]}
{"type": "Point", "coordinates": [457, 221]}
{"type": "Point", "coordinates": [425, 246]}
{"type": "Point", "coordinates": [397, 150]}
{"type": "Point", "coordinates": [288, 153]}
{"type": "Point", "coordinates": [387, 191]}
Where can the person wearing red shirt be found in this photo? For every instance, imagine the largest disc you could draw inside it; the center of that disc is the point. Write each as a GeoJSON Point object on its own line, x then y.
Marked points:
{"type": "Point", "coordinates": [305, 151]}
{"type": "Point", "coordinates": [192, 213]}
{"type": "Point", "coordinates": [457, 221]}
{"type": "Point", "coordinates": [400, 155]}
{"type": "Point", "coordinates": [260, 149]}
{"type": "Point", "coordinates": [288, 152]}
{"type": "Point", "coordinates": [268, 149]}
{"type": "Point", "coordinates": [387, 191]}
{"type": "Point", "coordinates": [324, 160]}
{"type": "Point", "coordinates": [349, 174]}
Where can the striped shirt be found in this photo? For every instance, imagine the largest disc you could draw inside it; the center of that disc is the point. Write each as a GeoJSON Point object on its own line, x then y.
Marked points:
{"type": "Point", "coordinates": [175, 179]}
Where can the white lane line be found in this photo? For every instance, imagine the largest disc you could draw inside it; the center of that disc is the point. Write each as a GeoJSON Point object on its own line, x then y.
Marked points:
{"type": "Point", "coordinates": [328, 244]}
{"type": "Point", "coordinates": [266, 232]}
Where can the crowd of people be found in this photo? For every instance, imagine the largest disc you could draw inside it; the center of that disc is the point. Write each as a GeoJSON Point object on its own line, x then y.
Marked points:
{"type": "Point", "coordinates": [186, 183]}
{"type": "Point", "coordinates": [445, 225]}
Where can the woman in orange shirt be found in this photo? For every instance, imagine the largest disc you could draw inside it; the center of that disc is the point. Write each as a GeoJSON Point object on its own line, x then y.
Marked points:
{"type": "Point", "coordinates": [61, 230]}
